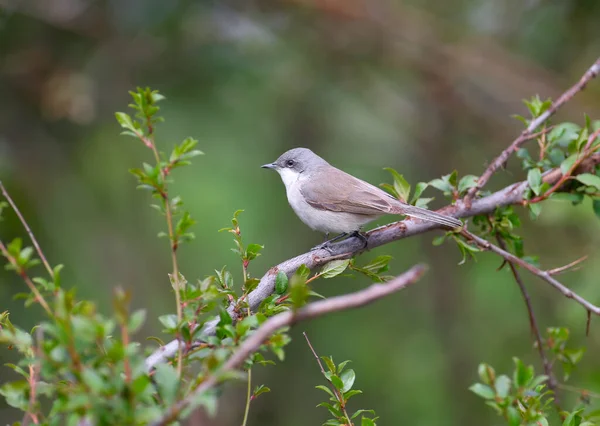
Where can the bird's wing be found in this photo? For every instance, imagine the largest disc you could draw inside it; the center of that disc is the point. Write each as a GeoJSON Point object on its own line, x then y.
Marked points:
{"type": "Point", "coordinates": [337, 191]}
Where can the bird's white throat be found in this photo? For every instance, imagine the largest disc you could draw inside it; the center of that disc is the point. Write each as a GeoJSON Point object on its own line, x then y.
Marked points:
{"type": "Point", "coordinates": [288, 176]}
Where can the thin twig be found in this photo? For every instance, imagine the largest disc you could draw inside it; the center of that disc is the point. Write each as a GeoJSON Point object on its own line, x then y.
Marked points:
{"type": "Point", "coordinates": [544, 275]}
{"type": "Point", "coordinates": [248, 397]}
{"type": "Point", "coordinates": [27, 229]}
{"type": "Point", "coordinates": [547, 365]}
{"type": "Point", "coordinates": [270, 326]}
{"type": "Point", "coordinates": [151, 143]}
{"type": "Point", "coordinates": [21, 272]}
{"type": "Point", "coordinates": [497, 163]}
{"type": "Point", "coordinates": [510, 195]}
{"type": "Point", "coordinates": [568, 267]}
{"type": "Point", "coordinates": [337, 393]}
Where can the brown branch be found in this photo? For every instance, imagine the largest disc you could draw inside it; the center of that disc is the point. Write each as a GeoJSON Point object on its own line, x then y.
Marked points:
{"type": "Point", "coordinates": [337, 393]}
{"type": "Point", "coordinates": [547, 365]}
{"type": "Point", "coordinates": [568, 267]}
{"type": "Point", "coordinates": [544, 275]}
{"type": "Point", "coordinates": [497, 163]}
{"type": "Point", "coordinates": [27, 229]}
{"type": "Point", "coordinates": [270, 326]}
{"type": "Point", "coordinates": [511, 195]}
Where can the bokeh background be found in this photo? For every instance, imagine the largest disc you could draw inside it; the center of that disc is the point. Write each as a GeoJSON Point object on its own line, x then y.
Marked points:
{"type": "Point", "coordinates": [422, 86]}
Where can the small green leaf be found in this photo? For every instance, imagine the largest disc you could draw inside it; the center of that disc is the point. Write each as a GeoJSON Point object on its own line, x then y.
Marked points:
{"type": "Point", "coordinates": [589, 180]}
{"type": "Point", "coordinates": [419, 188]}
{"type": "Point", "coordinates": [167, 382]}
{"type": "Point", "coordinates": [169, 321]}
{"type": "Point", "coordinates": [401, 186]}
{"type": "Point", "coordinates": [513, 416]}
{"type": "Point", "coordinates": [337, 381]}
{"type": "Point", "coordinates": [467, 182]}
{"type": "Point", "coordinates": [502, 386]}
{"type": "Point", "coordinates": [93, 380]}
{"type": "Point", "coordinates": [334, 268]}
{"type": "Point", "coordinates": [566, 165]}
{"type": "Point", "coordinates": [534, 179]}
{"type": "Point", "coordinates": [136, 320]}
{"type": "Point", "coordinates": [281, 283]}
{"type": "Point", "coordinates": [348, 378]}
{"type": "Point", "coordinates": [260, 390]}
{"type": "Point", "coordinates": [596, 207]}
{"type": "Point", "coordinates": [483, 391]}
{"type": "Point", "coordinates": [253, 251]}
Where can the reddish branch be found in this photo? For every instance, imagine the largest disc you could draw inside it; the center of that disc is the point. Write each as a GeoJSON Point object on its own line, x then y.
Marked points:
{"type": "Point", "coordinates": [499, 162]}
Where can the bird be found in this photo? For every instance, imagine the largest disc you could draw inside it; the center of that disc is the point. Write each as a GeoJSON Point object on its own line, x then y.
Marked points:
{"type": "Point", "coordinates": [330, 200]}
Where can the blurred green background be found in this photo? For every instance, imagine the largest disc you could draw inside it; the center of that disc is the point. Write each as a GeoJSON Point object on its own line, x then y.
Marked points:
{"type": "Point", "coordinates": [421, 86]}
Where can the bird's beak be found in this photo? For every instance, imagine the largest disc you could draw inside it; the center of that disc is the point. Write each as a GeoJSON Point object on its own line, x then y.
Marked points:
{"type": "Point", "coordinates": [269, 166]}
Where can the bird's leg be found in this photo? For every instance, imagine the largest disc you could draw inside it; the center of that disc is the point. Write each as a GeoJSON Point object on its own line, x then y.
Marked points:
{"type": "Point", "coordinates": [327, 243]}
{"type": "Point", "coordinates": [361, 236]}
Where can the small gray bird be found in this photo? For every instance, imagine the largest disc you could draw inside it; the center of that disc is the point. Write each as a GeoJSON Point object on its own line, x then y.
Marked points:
{"type": "Point", "coordinates": [332, 201]}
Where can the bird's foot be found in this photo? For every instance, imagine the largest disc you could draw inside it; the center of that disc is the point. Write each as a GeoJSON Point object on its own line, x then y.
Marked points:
{"type": "Point", "coordinates": [327, 244]}
{"type": "Point", "coordinates": [362, 237]}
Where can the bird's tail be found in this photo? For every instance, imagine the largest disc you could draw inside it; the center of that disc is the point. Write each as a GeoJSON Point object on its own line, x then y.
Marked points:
{"type": "Point", "coordinates": [425, 214]}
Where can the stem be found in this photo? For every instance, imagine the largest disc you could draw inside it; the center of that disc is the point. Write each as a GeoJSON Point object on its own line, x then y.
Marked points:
{"type": "Point", "coordinates": [27, 229]}
{"type": "Point", "coordinates": [21, 271]}
{"type": "Point", "coordinates": [337, 393]}
{"type": "Point", "coordinates": [248, 397]}
{"type": "Point", "coordinates": [552, 384]}
{"type": "Point", "coordinates": [172, 240]}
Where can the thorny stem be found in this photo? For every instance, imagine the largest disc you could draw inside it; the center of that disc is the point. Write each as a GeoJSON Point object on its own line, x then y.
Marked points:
{"type": "Point", "coordinates": [27, 229]}
{"type": "Point", "coordinates": [248, 397]}
{"type": "Point", "coordinates": [547, 365]}
{"type": "Point", "coordinates": [337, 393]}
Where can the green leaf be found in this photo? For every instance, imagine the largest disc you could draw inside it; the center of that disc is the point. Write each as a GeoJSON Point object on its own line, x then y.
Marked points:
{"type": "Point", "coordinates": [336, 381]}
{"type": "Point", "coordinates": [589, 179]}
{"type": "Point", "coordinates": [167, 382]}
{"type": "Point", "coordinates": [281, 283]}
{"type": "Point", "coordinates": [419, 188]}
{"type": "Point", "coordinates": [367, 422]}
{"type": "Point", "coordinates": [502, 386]}
{"type": "Point", "coordinates": [596, 207]}
{"type": "Point", "coordinates": [348, 378]}
{"type": "Point", "coordinates": [125, 121]}
{"type": "Point", "coordinates": [401, 186]}
{"type": "Point", "coordinates": [379, 264]}
{"type": "Point", "coordinates": [93, 380]}
{"type": "Point", "coordinates": [513, 416]}
{"type": "Point", "coordinates": [136, 320]}
{"type": "Point", "coordinates": [486, 373]}
{"type": "Point", "coordinates": [260, 390]}
{"type": "Point", "coordinates": [325, 389]}
{"type": "Point", "coordinates": [483, 391]}
{"type": "Point", "coordinates": [467, 182]}
{"type": "Point", "coordinates": [522, 375]}
{"type": "Point", "coordinates": [253, 251]}
{"type": "Point", "coordinates": [534, 179]}
{"type": "Point", "coordinates": [566, 165]}
{"type": "Point", "coordinates": [334, 268]}
{"type": "Point", "coordinates": [169, 321]}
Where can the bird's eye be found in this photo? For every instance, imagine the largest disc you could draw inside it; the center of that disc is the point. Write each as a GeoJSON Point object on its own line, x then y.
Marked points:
{"type": "Point", "coordinates": [289, 163]}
